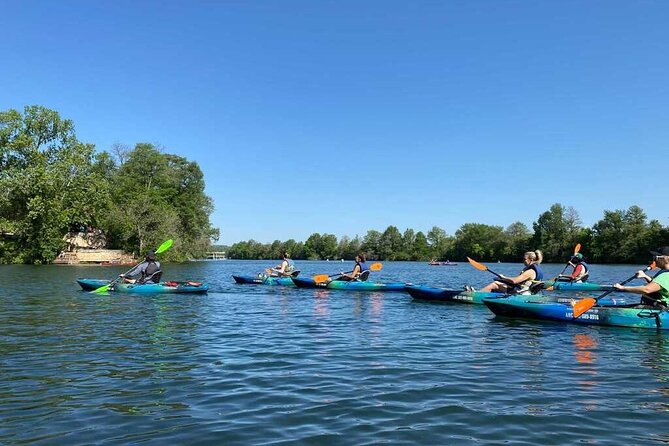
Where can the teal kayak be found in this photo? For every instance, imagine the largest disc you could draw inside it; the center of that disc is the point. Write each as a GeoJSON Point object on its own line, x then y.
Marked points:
{"type": "Point", "coordinates": [634, 315]}
{"type": "Point", "coordinates": [264, 280]}
{"type": "Point", "coordinates": [352, 285]}
{"type": "Point", "coordinates": [147, 288]}
{"type": "Point", "coordinates": [571, 286]}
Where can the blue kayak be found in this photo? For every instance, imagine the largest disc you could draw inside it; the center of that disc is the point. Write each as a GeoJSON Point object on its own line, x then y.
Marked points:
{"type": "Point", "coordinates": [353, 285]}
{"type": "Point", "coordinates": [423, 292]}
{"type": "Point", "coordinates": [264, 280]}
{"type": "Point", "coordinates": [147, 288]}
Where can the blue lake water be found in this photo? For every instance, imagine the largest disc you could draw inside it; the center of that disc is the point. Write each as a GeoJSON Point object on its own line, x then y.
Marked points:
{"type": "Point", "coordinates": [248, 364]}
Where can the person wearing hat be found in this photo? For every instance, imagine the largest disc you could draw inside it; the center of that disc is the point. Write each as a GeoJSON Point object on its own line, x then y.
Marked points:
{"type": "Point", "coordinates": [656, 290]}
{"type": "Point", "coordinates": [581, 270]}
{"type": "Point", "coordinates": [146, 272]}
{"type": "Point", "coordinates": [285, 268]}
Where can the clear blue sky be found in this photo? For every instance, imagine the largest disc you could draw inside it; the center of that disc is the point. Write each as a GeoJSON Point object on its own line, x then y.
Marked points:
{"type": "Point", "coordinates": [345, 116]}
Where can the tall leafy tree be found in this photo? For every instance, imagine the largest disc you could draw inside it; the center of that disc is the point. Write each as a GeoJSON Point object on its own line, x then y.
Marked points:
{"type": "Point", "coordinates": [48, 181]}
{"type": "Point", "coordinates": [556, 231]}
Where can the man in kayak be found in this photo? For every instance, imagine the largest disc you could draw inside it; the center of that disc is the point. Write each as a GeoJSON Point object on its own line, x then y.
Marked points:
{"type": "Point", "coordinates": [580, 273]}
{"type": "Point", "coordinates": [519, 284]}
{"type": "Point", "coordinates": [656, 291]}
{"type": "Point", "coordinates": [146, 272]}
{"type": "Point", "coordinates": [358, 269]}
{"type": "Point", "coordinates": [283, 269]}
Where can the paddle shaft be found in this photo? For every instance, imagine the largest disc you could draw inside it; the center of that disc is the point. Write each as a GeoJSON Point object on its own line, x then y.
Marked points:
{"type": "Point", "coordinates": [577, 248]}
{"type": "Point", "coordinates": [606, 293]}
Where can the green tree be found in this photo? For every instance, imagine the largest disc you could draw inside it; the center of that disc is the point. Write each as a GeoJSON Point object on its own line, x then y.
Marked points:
{"type": "Point", "coordinates": [556, 231]}
{"type": "Point", "coordinates": [390, 244]}
{"type": "Point", "coordinates": [49, 181]}
{"type": "Point", "coordinates": [160, 196]}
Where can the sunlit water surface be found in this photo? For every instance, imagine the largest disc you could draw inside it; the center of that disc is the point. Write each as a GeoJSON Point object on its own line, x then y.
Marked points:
{"type": "Point", "coordinates": [251, 364]}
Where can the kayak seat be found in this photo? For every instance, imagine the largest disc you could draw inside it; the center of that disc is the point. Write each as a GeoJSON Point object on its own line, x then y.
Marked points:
{"type": "Point", "coordinates": [363, 276]}
{"type": "Point", "coordinates": [154, 278]}
{"type": "Point", "coordinates": [295, 273]}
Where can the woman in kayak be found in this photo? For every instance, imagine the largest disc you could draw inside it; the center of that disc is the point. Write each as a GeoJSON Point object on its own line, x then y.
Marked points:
{"type": "Point", "coordinates": [359, 267]}
{"type": "Point", "coordinates": [581, 270]}
{"type": "Point", "coordinates": [656, 291]}
{"type": "Point", "coordinates": [519, 284]}
{"type": "Point", "coordinates": [146, 272]}
{"type": "Point", "coordinates": [285, 268]}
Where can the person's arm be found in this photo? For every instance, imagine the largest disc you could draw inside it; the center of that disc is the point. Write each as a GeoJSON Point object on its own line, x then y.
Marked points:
{"type": "Point", "coordinates": [354, 274]}
{"type": "Point", "coordinates": [649, 288]}
{"type": "Point", "coordinates": [527, 275]}
{"type": "Point", "coordinates": [136, 271]}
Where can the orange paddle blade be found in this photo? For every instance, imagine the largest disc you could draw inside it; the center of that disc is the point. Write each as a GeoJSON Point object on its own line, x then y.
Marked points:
{"type": "Point", "coordinates": [321, 278]}
{"type": "Point", "coordinates": [375, 267]}
{"type": "Point", "coordinates": [477, 265]}
{"type": "Point", "coordinates": [577, 248]}
{"type": "Point", "coordinates": [583, 305]}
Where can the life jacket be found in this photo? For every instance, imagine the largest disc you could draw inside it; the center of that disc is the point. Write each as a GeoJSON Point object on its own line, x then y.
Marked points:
{"type": "Point", "coordinates": [290, 267]}
{"type": "Point", "coordinates": [150, 270]}
{"type": "Point", "coordinates": [584, 275]}
{"type": "Point", "coordinates": [524, 287]}
{"type": "Point", "coordinates": [662, 295]}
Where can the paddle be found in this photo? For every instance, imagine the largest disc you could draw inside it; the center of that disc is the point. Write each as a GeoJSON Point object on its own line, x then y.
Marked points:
{"type": "Point", "coordinates": [482, 267]}
{"type": "Point", "coordinates": [584, 305]}
{"type": "Point", "coordinates": [162, 248]}
{"type": "Point", "coordinates": [324, 277]}
{"type": "Point", "coordinates": [577, 248]}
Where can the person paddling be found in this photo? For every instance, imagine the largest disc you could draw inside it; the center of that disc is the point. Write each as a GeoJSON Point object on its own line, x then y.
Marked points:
{"type": "Point", "coordinates": [358, 269]}
{"type": "Point", "coordinates": [581, 271]}
{"type": "Point", "coordinates": [283, 269]}
{"type": "Point", "coordinates": [519, 284]}
{"type": "Point", "coordinates": [146, 272]}
{"type": "Point", "coordinates": [656, 291]}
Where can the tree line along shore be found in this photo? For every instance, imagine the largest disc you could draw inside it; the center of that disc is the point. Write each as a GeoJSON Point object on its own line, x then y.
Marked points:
{"type": "Point", "coordinates": [620, 236]}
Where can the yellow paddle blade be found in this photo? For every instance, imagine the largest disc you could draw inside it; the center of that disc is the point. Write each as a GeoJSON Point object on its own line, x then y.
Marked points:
{"type": "Point", "coordinates": [321, 278]}
{"type": "Point", "coordinates": [577, 248]}
{"type": "Point", "coordinates": [375, 267]}
{"type": "Point", "coordinates": [477, 265]}
{"type": "Point", "coordinates": [583, 305]}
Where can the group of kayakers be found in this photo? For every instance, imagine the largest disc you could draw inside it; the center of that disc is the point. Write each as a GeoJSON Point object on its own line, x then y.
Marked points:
{"type": "Point", "coordinates": [654, 292]}
{"type": "Point", "coordinates": [287, 269]}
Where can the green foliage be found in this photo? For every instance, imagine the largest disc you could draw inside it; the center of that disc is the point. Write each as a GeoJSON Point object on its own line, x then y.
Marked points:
{"type": "Point", "coordinates": [51, 182]}
{"type": "Point", "coordinates": [48, 180]}
{"type": "Point", "coordinates": [556, 231]}
{"type": "Point", "coordinates": [160, 196]}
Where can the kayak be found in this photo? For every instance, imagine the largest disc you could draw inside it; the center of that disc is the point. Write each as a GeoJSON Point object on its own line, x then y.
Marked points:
{"type": "Point", "coordinates": [442, 264]}
{"type": "Point", "coordinates": [147, 288]}
{"type": "Point", "coordinates": [574, 286]}
{"type": "Point", "coordinates": [264, 280]}
{"type": "Point", "coordinates": [422, 292]}
{"type": "Point", "coordinates": [353, 285]}
{"type": "Point", "coordinates": [634, 315]}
